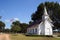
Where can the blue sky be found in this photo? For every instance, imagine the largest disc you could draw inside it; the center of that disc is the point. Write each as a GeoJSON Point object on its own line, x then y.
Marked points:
{"type": "Point", "coordinates": [19, 10]}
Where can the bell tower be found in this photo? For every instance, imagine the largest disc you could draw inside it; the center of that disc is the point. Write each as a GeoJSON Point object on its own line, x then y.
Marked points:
{"type": "Point", "coordinates": [45, 16]}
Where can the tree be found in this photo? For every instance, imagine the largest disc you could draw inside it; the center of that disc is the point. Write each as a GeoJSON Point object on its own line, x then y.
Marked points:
{"type": "Point", "coordinates": [19, 27]}
{"type": "Point", "coordinates": [16, 27]}
{"type": "Point", "coordinates": [30, 22]}
{"type": "Point", "coordinates": [24, 27]}
{"type": "Point", "coordinates": [2, 26]}
{"type": "Point", "coordinates": [53, 11]}
{"type": "Point", "coordinates": [7, 30]}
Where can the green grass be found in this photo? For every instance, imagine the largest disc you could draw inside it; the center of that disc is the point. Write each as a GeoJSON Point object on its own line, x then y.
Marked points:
{"type": "Point", "coordinates": [23, 37]}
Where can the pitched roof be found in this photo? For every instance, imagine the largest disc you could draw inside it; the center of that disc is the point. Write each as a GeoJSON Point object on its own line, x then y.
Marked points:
{"type": "Point", "coordinates": [34, 23]}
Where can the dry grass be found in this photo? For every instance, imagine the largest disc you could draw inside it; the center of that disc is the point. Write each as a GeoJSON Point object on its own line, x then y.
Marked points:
{"type": "Point", "coordinates": [23, 37]}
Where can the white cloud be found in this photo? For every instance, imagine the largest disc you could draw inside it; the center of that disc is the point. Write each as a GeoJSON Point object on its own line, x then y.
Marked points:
{"type": "Point", "coordinates": [7, 20]}
{"type": "Point", "coordinates": [11, 20]}
{"type": "Point", "coordinates": [59, 3]}
{"type": "Point", "coordinates": [16, 19]}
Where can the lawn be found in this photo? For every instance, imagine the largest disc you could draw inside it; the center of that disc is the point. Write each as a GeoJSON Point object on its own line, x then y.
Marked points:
{"type": "Point", "coordinates": [23, 37]}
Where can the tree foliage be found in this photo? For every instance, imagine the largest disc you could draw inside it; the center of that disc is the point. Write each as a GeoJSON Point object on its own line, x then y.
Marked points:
{"type": "Point", "coordinates": [53, 9]}
{"type": "Point", "coordinates": [19, 27]}
{"type": "Point", "coordinates": [24, 27]}
{"type": "Point", "coordinates": [2, 26]}
{"type": "Point", "coordinates": [16, 27]}
{"type": "Point", "coordinates": [7, 30]}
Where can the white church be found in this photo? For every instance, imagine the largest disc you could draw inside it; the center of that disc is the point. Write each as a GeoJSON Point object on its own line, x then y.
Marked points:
{"type": "Point", "coordinates": [42, 28]}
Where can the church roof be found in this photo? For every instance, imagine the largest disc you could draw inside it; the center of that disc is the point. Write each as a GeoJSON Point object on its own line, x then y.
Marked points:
{"type": "Point", "coordinates": [34, 23]}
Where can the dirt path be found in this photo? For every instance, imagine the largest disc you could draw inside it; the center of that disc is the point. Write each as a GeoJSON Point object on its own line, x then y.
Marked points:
{"type": "Point", "coordinates": [4, 37]}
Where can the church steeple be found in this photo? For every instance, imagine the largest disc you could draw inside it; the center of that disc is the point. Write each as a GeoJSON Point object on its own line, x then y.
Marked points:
{"type": "Point", "coordinates": [45, 15]}
{"type": "Point", "coordinates": [45, 11]}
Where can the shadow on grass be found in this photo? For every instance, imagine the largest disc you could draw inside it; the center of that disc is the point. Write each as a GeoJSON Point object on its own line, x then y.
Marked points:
{"type": "Point", "coordinates": [39, 35]}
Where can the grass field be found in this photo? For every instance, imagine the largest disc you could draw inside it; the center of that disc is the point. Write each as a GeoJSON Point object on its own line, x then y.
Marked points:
{"type": "Point", "coordinates": [23, 37]}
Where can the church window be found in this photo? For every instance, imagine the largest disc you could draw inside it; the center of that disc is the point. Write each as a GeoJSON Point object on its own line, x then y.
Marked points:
{"type": "Point", "coordinates": [36, 30]}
